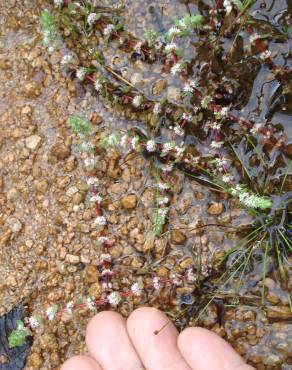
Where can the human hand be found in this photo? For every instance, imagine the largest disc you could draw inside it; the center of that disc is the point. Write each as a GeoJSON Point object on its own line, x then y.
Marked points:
{"type": "Point", "coordinates": [118, 344]}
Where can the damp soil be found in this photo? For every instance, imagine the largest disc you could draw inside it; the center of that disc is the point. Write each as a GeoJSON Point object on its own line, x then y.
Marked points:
{"type": "Point", "coordinates": [49, 252]}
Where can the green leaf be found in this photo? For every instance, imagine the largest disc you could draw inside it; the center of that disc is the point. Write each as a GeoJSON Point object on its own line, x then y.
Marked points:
{"type": "Point", "coordinates": [80, 125]}
{"type": "Point", "coordinates": [18, 336]}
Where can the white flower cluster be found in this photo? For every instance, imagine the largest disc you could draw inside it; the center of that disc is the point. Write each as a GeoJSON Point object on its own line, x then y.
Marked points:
{"type": "Point", "coordinates": [167, 167]}
{"type": "Point", "coordinates": [265, 55]}
{"type": "Point", "coordinates": [255, 36]}
{"type": "Point", "coordinates": [221, 163]}
{"type": "Point", "coordinates": [90, 162]}
{"type": "Point", "coordinates": [176, 68]}
{"type": "Point", "coordinates": [227, 178]}
{"type": "Point", "coordinates": [250, 200]}
{"type": "Point", "coordinates": [190, 86]}
{"type": "Point", "coordinates": [51, 312]}
{"type": "Point", "coordinates": [190, 275]}
{"type": "Point", "coordinates": [81, 73]}
{"type": "Point", "coordinates": [162, 200]}
{"type": "Point", "coordinates": [90, 304]}
{"type": "Point", "coordinates": [92, 18]}
{"type": "Point", "coordinates": [163, 186]}
{"type": "Point", "coordinates": [137, 288]}
{"type": "Point", "coordinates": [168, 147]}
{"type": "Point", "coordinates": [170, 47]}
{"type": "Point", "coordinates": [35, 321]}
{"type": "Point", "coordinates": [67, 59]}
{"type": "Point", "coordinates": [58, 2]}
{"type": "Point", "coordinates": [135, 143]}
{"type": "Point", "coordinates": [216, 144]}
{"type": "Point", "coordinates": [137, 101]}
{"type": "Point", "coordinates": [151, 146]}
{"type": "Point", "coordinates": [187, 117]}
{"type": "Point", "coordinates": [173, 31]}
{"type": "Point", "coordinates": [105, 257]}
{"type": "Point", "coordinates": [157, 108]}
{"type": "Point", "coordinates": [95, 198]}
{"type": "Point", "coordinates": [228, 6]}
{"type": "Point", "coordinates": [97, 85]}
{"type": "Point", "coordinates": [108, 30]}
{"type": "Point", "coordinates": [69, 307]}
{"type": "Point", "coordinates": [114, 298]}
{"type": "Point", "coordinates": [92, 181]}
{"type": "Point", "coordinates": [100, 221]}
{"type": "Point", "coordinates": [156, 281]}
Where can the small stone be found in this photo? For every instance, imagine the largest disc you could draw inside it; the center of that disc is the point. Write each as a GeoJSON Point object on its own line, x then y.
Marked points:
{"type": "Point", "coordinates": [149, 243]}
{"type": "Point", "coordinates": [14, 224]}
{"type": "Point", "coordinates": [129, 201]}
{"type": "Point", "coordinates": [61, 151]}
{"type": "Point", "coordinates": [71, 191]}
{"type": "Point", "coordinates": [33, 142]}
{"type": "Point", "coordinates": [177, 237]}
{"type": "Point", "coordinates": [216, 209]}
{"type": "Point", "coordinates": [95, 290]}
{"type": "Point", "coordinates": [96, 119]}
{"type": "Point", "coordinates": [158, 87]}
{"type": "Point", "coordinates": [162, 272]}
{"type": "Point", "coordinates": [187, 263]}
{"type": "Point", "coordinates": [41, 185]}
{"type": "Point", "coordinates": [32, 89]}
{"type": "Point", "coordinates": [5, 237]}
{"type": "Point", "coordinates": [91, 274]}
{"type": "Point", "coordinates": [72, 259]}
{"type": "Point", "coordinates": [279, 312]}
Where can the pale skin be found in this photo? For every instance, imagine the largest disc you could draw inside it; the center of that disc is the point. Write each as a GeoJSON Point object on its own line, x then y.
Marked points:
{"type": "Point", "coordinates": [118, 344]}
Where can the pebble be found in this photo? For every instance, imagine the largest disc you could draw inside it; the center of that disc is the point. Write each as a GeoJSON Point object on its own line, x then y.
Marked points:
{"type": "Point", "coordinates": [129, 201]}
{"type": "Point", "coordinates": [91, 274]}
{"type": "Point", "coordinates": [279, 312]}
{"type": "Point", "coordinates": [216, 209]}
{"type": "Point", "coordinates": [72, 259]}
{"type": "Point", "coordinates": [177, 237]}
{"type": "Point", "coordinates": [14, 224]}
{"type": "Point", "coordinates": [60, 151]}
{"type": "Point", "coordinates": [33, 142]}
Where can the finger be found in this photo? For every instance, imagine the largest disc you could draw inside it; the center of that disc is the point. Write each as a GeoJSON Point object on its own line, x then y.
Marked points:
{"type": "Point", "coordinates": [203, 349]}
{"type": "Point", "coordinates": [81, 363]}
{"type": "Point", "coordinates": [156, 351]}
{"type": "Point", "coordinates": [108, 342]}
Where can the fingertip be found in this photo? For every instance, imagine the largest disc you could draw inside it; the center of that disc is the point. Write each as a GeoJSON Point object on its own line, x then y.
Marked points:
{"type": "Point", "coordinates": [100, 321]}
{"type": "Point", "coordinates": [203, 349]}
{"type": "Point", "coordinates": [80, 363]}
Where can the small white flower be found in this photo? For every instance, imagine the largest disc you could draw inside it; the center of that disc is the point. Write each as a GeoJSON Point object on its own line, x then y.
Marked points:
{"type": "Point", "coordinates": [92, 181]}
{"type": "Point", "coordinates": [215, 126]}
{"type": "Point", "coordinates": [221, 162]}
{"type": "Point", "coordinates": [106, 272]}
{"type": "Point", "coordinates": [137, 288]}
{"type": "Point", "coordinates": [256, 127]}
{"type": "Point", "coordinates": [170, 47]}
{"type": "Point", "coordinates": [100, 221]}
{"type": "Point", "coordinates": [179, 151]}
{"type": "Point", "coordinates": [187, 117]}
{"type": "Point", "coordinates": [58, 2]}
{"type": "Point", "coordinates": [265, 55]}
{"type": "Point", "coordinates": [190, 275]}
{"type": "Point", "coordinates": [188, 88]}
{"type": "Point", "coordinates": [92, 18]}
{"type": "Point", "coordinates": [124, 141]}
{"type": "Point", "coordinates": [224, 111]}
{"type": "Point", "coordinates": [90, 304]}
{"type": "Point", "coordinates": [176, 68]}
{"type": "Point", "coordinates": [114, 298]}
{"type": "Point", "coordinates": [86, 146]}
{"type": "Point", "coordinates": [51, 312]}
{"type": "Point", "coordinates": [167, 167]}
{"type": "Point", "coordinates": [254, 37]}
{"type": "Point", "coordinates": [151, 146]}
{"type": "Point", "coordinates": [162, 186]}
{"type": "Point", "coordinates": [134, 142]}
{"type": "Point", "coordinates": [157, 108]}
{"type": "Point", "coordinates": [168, 147]}
{"type": "Point", "coordinates": [108, 29]}
{"type": "Point", "coordinates": [176, 280]}
{"type": "Point", "coordinates": [97, 85]}
{"type": "Point", "coordinates": [138, 47]}
{"type": "Point", "coordinates": [173, 31]}
{"type": "Point", "coordinates": [34, 321]}
{"type": "Point", "coordinates": [69, 307]}
{"type": "Point", "coordinates": [162, 212]}
{"type": "Point", "coordinates": [105, 257]}
{"type": "Point", "coordinates": [228, 6]}
{"type": "Point", "coordinates": [103, 239]}
{"type": "Point", "coordinates": [156, 283]}
{"type": "Point", "coordinates": [81, 73]}
{"type": "Point", "coordinates": [95, 199]}
{"type": "Point", "coordinates": [216, 144]}
{"type": "Point", "coordinates": [162, 200]}
{"type": "Point", "coordinates": [137, 101]}
{"type": "Point", "coordinates": [89, 162]}
{"type": "Point", "coordinates": [67, 59]}
{"type": "Point", "coordinates": [227, 178]}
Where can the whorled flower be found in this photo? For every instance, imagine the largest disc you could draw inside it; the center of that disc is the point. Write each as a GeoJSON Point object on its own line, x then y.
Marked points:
{"type": "Point", "coordinates": [170, 47]}
{"type": "Point", "coordinates": [97, 85]}
{"type": "Point", "coordinates": [67, 59]}
{"type": "Point", "coordinates": [109, 29]}
{"type": "Point", "coordinates": [137, 101]}
{"type": "Point", "coordinates": [114, 298]}
{"type": "Point", "coordinates": [176, 68]}
{"type": "Point", "coordinates": [51, 312]}
{"type": "Point", "coordinates": [92, 18]}
{"type": "Point", "coordinates": [100, 221]}
{"type": "Point", "coordinates": [81, 73]}
{"type": "Point", "coordinates": [151, 146]}
{"type": "Point", "coordinates": [137, 288]}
